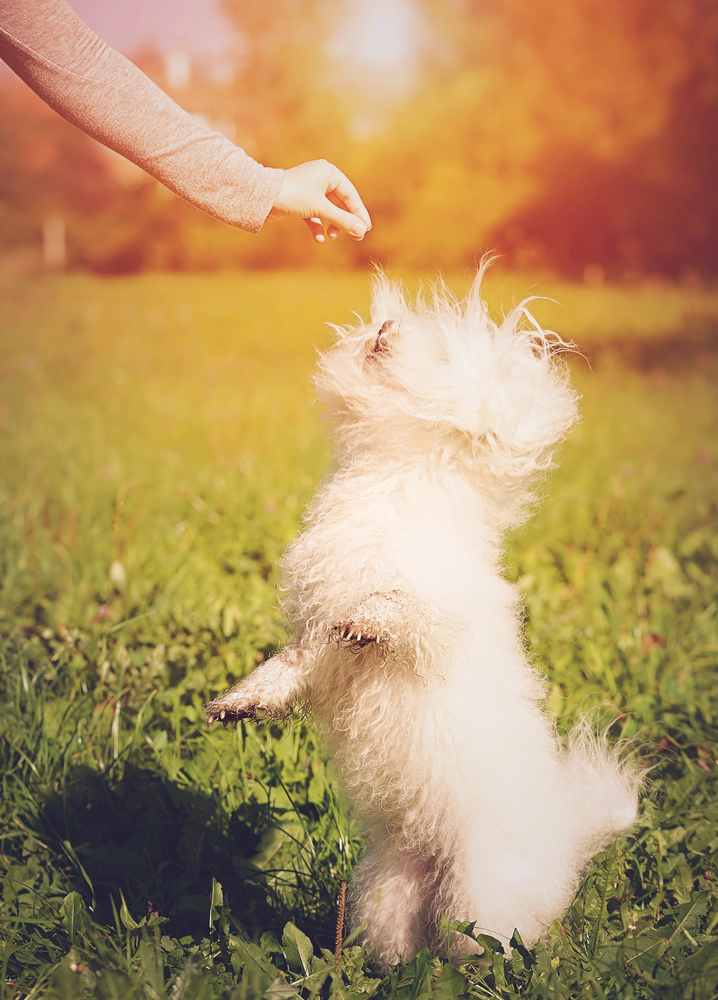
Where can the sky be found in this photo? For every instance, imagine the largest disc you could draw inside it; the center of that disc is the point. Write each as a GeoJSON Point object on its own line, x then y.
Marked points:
{"type": "Point", "coordinates": [375, 56]}
{"type": "Point", "coordinates": [378, 36]}
{"type": "Point", "coordinates": [374, 51]}
{"type": "Point", "coordinates": [197, 26]}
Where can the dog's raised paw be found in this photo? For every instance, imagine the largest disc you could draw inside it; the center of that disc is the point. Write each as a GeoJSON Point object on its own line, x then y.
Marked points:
{"type": "Point", "coordinates": [218, 712]}
{"type": "Point", "coordinates": [374, 619]}
{"type": "Point", "coordinates": [355, 636]}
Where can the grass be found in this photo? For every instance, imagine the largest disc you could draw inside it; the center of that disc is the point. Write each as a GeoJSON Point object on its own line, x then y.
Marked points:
{"type": "Point", "coordinates": [158, 445]}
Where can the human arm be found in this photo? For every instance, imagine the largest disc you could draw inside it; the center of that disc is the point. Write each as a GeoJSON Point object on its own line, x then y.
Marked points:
{"type": "Point", "coordinates": [109, 98]}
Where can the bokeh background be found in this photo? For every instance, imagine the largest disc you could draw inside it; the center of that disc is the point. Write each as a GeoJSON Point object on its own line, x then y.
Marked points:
{"type": "Point", "coordinates": [575, 138]}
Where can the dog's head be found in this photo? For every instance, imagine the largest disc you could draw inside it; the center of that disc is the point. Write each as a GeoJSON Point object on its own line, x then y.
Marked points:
{"type": "Point", "coordinates": [441, 376]}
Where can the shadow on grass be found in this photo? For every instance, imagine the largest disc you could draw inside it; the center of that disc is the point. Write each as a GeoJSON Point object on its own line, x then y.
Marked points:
{"type": "Point", "coordinates": [138, 830]}
{"type": "Point", "coordinates": [160, 843]}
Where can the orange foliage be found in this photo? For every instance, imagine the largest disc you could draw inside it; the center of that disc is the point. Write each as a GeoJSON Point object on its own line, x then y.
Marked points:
{"type": "Point", "coordinates": [569, 136]}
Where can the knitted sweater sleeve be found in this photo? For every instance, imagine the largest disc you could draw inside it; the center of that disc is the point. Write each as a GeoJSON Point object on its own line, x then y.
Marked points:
{"type": "Point", "coordinates": [109, 98]}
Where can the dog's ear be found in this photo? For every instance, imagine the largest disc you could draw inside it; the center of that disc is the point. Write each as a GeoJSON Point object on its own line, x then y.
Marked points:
{"type": "Point", "coordinates": [380, 344]}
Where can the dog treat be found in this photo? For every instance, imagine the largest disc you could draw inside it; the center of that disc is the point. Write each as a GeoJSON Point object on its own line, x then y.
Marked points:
{"type": "Point", "coordinates": [107, 96]}
{"type": "Point", "coordinates": [408, 643]}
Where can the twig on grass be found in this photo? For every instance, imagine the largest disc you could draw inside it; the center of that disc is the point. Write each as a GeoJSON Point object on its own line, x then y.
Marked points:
{"type": "Point", "coordinates": [340, 927]}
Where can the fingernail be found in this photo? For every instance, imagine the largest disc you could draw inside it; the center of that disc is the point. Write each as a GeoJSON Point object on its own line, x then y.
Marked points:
{"type": "Point", "coordinates": [319, 238]}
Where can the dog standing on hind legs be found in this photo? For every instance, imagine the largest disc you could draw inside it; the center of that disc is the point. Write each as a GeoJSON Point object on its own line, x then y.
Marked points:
{"type": "Point", "coordinates": [407, 638]}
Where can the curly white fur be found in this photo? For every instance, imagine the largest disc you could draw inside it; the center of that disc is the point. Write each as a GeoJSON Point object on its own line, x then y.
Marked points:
{"type": "Point", "coordinates": [408, 643]}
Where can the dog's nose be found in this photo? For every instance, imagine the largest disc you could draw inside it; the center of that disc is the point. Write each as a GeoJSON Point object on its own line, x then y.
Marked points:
{"type": "Point", "coordinates": [380, 343]}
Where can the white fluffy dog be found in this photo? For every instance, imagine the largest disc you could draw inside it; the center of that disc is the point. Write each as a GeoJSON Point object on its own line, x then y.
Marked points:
{"type": "Point", "coordinates": [408, 643]}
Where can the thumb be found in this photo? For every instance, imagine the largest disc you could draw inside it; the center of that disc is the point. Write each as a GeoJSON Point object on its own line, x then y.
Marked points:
{"type": "Point", "coordinates": [333, 215]}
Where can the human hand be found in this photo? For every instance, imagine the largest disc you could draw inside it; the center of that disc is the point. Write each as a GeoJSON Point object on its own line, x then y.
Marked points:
{"type": "Point", "coordinates": [319, 193]}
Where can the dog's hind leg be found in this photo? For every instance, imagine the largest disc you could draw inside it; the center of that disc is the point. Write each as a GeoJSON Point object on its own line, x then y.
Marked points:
{"type": "Point", "coordinates": [270, 691]}
{"type": "Point", "coordinates": [390, 895]}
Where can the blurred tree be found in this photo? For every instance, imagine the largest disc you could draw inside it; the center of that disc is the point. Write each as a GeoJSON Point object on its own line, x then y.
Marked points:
{"type": "Point", "coordinates": [46, 167]}
{"type": "Point", "coordinates": [554, 132]}
{"type": "Point", "coordinates": [599, 74]}
{"type": "Point", "coordinates": [627, 173]}
{"type": "Point", "coordinates": [282, 96]}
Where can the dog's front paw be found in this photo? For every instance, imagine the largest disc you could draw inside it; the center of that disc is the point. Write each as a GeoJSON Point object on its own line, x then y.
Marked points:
{"type": "Point", "coordinates": [227, 708]}
{"type": "Point", "coordinates": [355, 635]}
{"type": "Point", "coordinates": [377, 618]}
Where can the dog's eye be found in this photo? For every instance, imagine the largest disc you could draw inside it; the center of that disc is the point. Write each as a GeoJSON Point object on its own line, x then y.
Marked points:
{"type": "Point", "coordinates": [380, 344]}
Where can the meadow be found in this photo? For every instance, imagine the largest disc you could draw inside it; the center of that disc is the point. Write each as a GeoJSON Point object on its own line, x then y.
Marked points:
{"type": "Point", "coordinates": [158, 445]}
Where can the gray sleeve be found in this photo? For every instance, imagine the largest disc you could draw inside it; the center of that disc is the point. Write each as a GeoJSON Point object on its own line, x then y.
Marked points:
{"type": "Point", "coordinates": [109, 98]}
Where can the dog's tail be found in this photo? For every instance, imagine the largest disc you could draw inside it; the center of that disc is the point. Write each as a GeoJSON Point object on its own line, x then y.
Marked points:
{"type": "Point", "coordinates": [605, 782]}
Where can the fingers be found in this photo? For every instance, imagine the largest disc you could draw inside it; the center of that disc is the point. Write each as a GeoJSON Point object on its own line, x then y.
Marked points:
{"type": "Point", "coordinates": [347, 196]}
{"type": "Point", "coordinates": [322, 195]}
{"type": "Point", "coordinates": [337, 219]}
{"type": "Point", "coordinates": [316, 228]}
